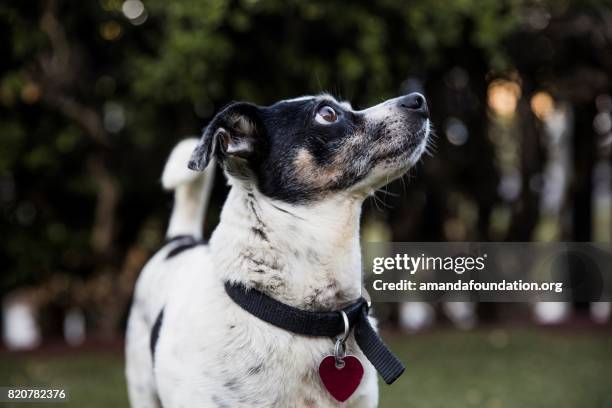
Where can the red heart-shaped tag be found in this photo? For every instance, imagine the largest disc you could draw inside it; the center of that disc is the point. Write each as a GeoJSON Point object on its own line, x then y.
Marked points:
{"type": "Point", "coordinates": [341, 382]}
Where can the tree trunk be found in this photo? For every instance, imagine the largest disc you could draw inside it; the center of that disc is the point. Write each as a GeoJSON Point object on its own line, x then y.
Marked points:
{"type": "Point", "coordinates": [584, 150]}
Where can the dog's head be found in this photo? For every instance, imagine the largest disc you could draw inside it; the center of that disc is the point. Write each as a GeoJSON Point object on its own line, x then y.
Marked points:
{"type": "Point", "coordinates": [304, 149]}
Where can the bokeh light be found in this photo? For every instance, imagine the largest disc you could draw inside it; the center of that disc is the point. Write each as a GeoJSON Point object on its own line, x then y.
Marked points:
{"type": "Point", "coordinates": [503, 96]}
{"type": "Point", "coordinates": [456, 131]}
{"type": "Point", "coordinates": [542, 104]}
{"type": "Point", "coordinates": [110, 30]}
{"type": "Point", "coordinates": [134, 10]}
{"type": "Point", "coordinates": [602, 123]}
{"type": "Point", "coordinates": [30, 93]}
{"type": "Point", "coordinates": [114, 117]}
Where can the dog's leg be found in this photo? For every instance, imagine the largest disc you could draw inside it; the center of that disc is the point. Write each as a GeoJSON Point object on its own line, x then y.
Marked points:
{"type": "Point", "coordinates": [139, 364]}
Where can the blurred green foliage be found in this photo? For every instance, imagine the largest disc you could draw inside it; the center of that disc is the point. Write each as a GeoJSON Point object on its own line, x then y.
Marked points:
{"type": "Point", "coordinates": [91, 101]}
{"type": "Point", "coordinates": [165, 77]}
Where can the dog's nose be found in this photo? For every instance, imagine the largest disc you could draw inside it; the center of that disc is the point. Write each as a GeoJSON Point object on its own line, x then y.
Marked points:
{"type": "Point", "coordinates": [414, 102]}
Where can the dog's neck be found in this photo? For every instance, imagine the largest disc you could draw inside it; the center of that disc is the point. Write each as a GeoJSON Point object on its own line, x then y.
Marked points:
{"type": "Point", "coordinates": [305, 256]}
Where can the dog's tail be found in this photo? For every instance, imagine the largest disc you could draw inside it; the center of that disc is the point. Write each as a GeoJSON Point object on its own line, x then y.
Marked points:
{"type": "Point", "coordinates": [191, 191]}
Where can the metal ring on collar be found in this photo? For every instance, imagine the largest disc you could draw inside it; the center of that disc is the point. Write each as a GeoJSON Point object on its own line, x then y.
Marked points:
{"type": "Point", "coordinates": [339, 350]}
{"type": "Point", "coordinates": [347, 326]}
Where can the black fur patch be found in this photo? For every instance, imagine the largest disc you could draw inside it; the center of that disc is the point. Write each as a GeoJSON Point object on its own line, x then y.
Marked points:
{"type": "Point", "coordinates": [295, 158]}
{"type": "Point", "coordinates": [185, 242]}
{"type": "Point", "coordinates": [176, 238]}
{"type": "Point", "coordinates": [260, 233]}
{"type": "Point", "coordinates": [155, 333]}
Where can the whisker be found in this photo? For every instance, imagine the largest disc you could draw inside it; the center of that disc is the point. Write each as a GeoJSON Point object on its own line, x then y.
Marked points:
{"type": "Point", "coordinates": [388, 192]}
{"type": "Point", "coordinates": [379, 201]}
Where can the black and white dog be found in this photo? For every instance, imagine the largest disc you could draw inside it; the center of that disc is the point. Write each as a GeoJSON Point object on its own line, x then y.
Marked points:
{"type": "Point", "coordinates": [299, 172]}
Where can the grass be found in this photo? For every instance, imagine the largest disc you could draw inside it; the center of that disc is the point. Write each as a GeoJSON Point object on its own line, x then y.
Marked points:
{"type": "Point", "coordinates": [486, 368]}
{"type": "Point", "coordinates": [503, 369]}
{"type": "Point", "coordinates": [92, 379]}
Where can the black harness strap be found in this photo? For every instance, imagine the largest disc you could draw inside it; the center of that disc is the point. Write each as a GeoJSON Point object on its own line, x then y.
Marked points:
{"type": "Point", "coordinates": [328, 324]}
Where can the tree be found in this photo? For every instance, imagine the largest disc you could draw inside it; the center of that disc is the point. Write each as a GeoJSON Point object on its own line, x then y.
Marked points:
{"type": "Point", "coordinates": [94, 94]}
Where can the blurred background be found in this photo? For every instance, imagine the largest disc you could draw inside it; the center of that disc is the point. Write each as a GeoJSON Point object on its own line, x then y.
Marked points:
{"type": "Point", "coordinates": [93, 95]}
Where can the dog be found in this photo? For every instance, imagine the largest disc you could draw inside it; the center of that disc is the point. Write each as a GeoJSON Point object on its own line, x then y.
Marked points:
{"type": "Point", "coordinates": [299, 171]}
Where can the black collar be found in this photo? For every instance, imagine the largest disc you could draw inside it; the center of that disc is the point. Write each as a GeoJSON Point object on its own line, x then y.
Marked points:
{"type": "Point", "coordinates": [324, 324]}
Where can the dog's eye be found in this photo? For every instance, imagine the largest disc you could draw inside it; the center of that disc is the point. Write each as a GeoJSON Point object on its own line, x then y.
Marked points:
{"type": "Point", "coordinates": [326, 114]}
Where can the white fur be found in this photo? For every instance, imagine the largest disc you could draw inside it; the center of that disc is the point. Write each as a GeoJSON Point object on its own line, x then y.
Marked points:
{"type": "Point", "coordinates": [199, 358]}
{"type": "Point", "coordinates": [199, 355]}
{"type": "Point", "coordinates": [175, 171]}
{"type": "Point", "coordinates": [191, 194]}
{"type": "Point", "coordinates": [191, 190]}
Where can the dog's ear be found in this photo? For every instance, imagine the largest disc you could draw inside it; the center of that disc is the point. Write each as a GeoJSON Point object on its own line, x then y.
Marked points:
{"type": "Point", "coordinates": [233, 132]}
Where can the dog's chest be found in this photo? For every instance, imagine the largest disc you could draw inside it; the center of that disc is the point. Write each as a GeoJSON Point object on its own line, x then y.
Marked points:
{"type": "Point", "coordinates": [213, 353]}
{"type": "Point", "coordinates": [232, 359]}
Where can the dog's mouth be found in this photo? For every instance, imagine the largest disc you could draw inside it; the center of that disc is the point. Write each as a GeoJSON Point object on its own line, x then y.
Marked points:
{"type": "Point", "coordinates": [405, 152]}
{"type": "Point", "coordinates": [409, 149]}
{"type": "Point", "coordinates": [422, 142]}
